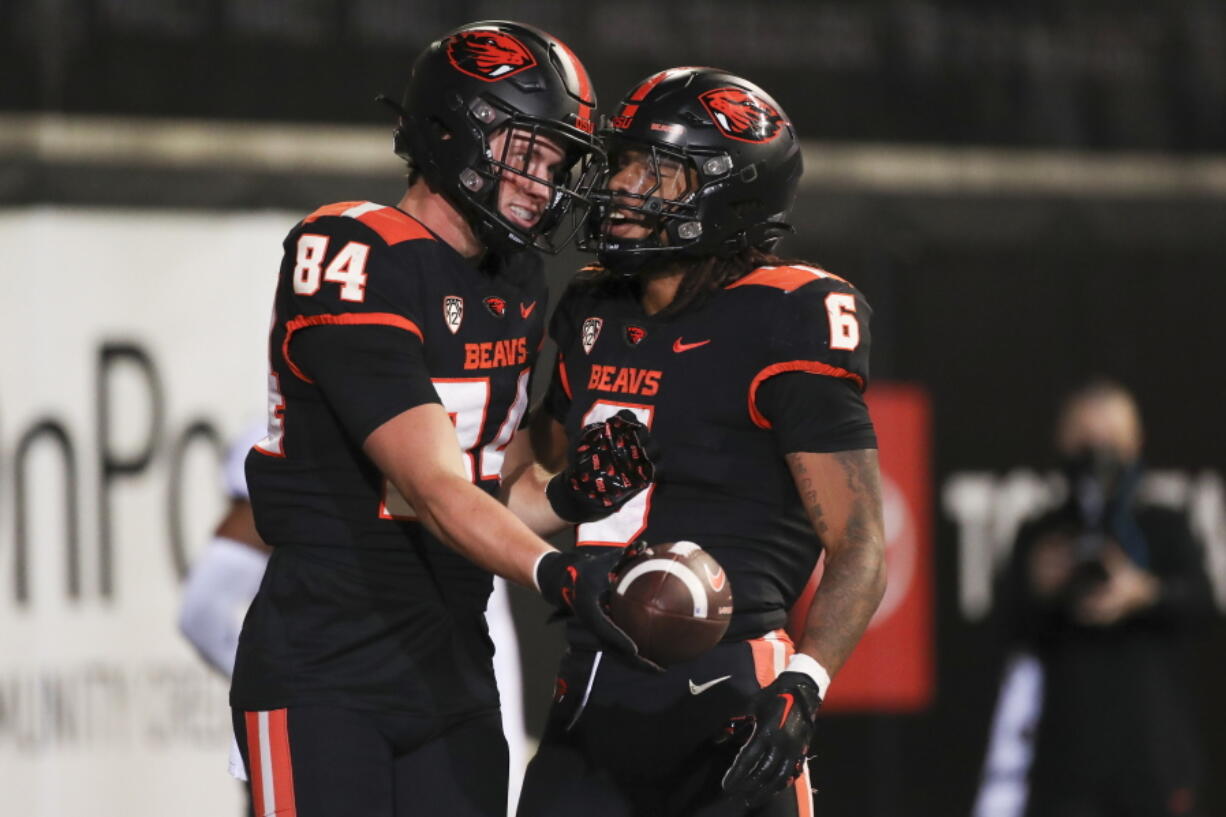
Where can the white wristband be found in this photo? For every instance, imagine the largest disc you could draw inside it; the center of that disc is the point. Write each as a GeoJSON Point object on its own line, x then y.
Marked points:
{"type": "Point", "coordinates": [809, 666]}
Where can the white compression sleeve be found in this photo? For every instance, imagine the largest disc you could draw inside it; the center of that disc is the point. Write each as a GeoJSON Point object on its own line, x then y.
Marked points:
{"type": "Point", "coordinates": [216, 596]}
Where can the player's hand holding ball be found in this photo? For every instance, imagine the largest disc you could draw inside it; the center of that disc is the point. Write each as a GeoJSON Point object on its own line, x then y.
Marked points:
{"type": "Point", "coordinates": [778, 730]}
{"type": "Point", "coordinates": [611, 461]}
{"type": "Point", "coordinates": [578, 583]}
{"type": "Point", "coordinates": [674, 600]}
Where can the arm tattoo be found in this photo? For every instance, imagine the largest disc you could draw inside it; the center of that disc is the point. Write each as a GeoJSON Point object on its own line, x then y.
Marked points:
{"type": "Point", "coordinates": [808, 494]}
{"type": "Point", "coordinates": [864, 483]}
{"type": "Point", "coordinates": [853, 581]}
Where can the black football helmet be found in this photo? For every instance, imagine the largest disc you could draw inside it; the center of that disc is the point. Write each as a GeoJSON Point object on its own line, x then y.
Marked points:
{"type": "Point", "coordinates": [740, 154]}
{"type": "Point", "coordinates": [480, 78]}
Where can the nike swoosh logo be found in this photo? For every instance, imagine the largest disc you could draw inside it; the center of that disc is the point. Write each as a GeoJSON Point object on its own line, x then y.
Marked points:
{"type": "Point", "coordinates": [698, 689]}
{"type": "Point", "coordinates": [788, 700]}
{"type": "Point", "coordinates": [716, 578]}
{"type": "Point", "coordinates": [525, 311]}
{"type": "Point", "coordinates": [678, 346]}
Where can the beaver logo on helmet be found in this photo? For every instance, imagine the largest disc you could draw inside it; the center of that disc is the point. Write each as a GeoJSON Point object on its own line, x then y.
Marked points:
{"type": "Point", "coordinates": [742, 115]}
{"type": "Point", "coordinates": [488, 55]}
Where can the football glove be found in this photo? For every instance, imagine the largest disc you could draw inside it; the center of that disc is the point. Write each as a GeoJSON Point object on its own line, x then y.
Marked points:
{"type": "Point", "coordinates": [777, 731]}
{"type": "Point", "coordinates": [578, 584]}
{"type": "Point", "coordinates": [609, 464]}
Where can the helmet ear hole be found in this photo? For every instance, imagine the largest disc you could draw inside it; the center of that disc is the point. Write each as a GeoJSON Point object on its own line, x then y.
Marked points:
{"type": "Point", "coordinates": [400, 143]}
{"type": "Point", "coordinates": [439, 132]}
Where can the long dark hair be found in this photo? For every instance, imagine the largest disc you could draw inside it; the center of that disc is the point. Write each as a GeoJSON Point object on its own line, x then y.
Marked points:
{"type": "Point", "coordinates": [702, 278]}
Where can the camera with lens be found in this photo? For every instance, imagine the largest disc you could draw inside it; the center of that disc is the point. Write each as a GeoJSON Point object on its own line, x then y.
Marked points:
{"type": "Point", "coordinates": [1100, 488]}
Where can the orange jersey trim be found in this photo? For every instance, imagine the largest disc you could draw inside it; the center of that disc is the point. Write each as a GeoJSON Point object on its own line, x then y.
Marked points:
{"type": "Point", "coordinates": [787, 279]}
{"type": "Point", "coordinates": [393, 226]}
{"type": "Point", "coordinates": [564, 377]}
{"type": "Point", "coordinates": [811, 366]}
{"type": "Point", "coordinates": [337, 209]}
{"type": "Point", "coordinates": [346, 319]}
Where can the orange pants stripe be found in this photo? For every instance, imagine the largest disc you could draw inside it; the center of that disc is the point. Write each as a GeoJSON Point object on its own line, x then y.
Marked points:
{"type": "Point", "coordinates": [770, 655]}
{"type": "Point", "coordinates": [271, 773]}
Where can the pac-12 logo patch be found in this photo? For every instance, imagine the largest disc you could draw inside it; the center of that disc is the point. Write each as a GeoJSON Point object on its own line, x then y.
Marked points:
{"type": "Point", "coordinates": [635, 334]}
{"type": "Point", "coordinates": [591, 331]}
{"type": "Point", "coordinates": [496, 306]}
{"type": "Point", "coordinates": [453, 312]}
{"type": "Point", "coordinates": [742, 115]}
{"type": "Point", "coordinates": [488, 55]}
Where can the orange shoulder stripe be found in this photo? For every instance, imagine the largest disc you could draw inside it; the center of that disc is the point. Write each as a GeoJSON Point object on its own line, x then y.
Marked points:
{"type": "Point", "coordinates": [392, 225]}
{"type": "Point", "coordinates": [784, 278]}
{"type": "Point", "coordinates": [337, 209]}
{"type": "Point", "coordinates": [811, 366]}
{"type": "Point", "coordinates": [345, 319]}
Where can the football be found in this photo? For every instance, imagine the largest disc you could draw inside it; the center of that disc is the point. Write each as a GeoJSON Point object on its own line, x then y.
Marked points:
{"type": "Point", "coordinates": [674, 600]}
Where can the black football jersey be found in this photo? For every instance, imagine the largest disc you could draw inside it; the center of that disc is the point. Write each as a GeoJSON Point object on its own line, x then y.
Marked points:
{"type": "Point", "coordinates": [360, 605]}
{"type": "Point", "coordinates": [694, 379]}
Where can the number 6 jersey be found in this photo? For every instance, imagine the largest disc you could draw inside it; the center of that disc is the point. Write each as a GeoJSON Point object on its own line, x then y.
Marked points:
{"type": "Point", "coordinates": [718, 385]}
{"type": "Point", "coordinates": [360, 605]}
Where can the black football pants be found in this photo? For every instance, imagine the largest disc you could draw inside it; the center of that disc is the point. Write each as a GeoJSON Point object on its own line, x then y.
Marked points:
{"type": "Point", "coordinates": [625, 742]}
{"type": "Point", "coordinates": [317, 761]}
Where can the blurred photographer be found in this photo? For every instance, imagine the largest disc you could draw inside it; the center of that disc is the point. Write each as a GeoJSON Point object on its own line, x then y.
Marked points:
{"type": "Point", "coordinates": [1096, 590]}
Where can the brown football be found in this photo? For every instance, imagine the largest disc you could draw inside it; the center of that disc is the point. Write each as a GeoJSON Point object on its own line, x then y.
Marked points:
{"type": "Point", "coordinates": [674, 600]}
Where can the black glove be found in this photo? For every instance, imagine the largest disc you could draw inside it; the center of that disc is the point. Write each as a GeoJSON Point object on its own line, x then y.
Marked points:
{"type": "Point", "coordinates": [780, 726]}
{"type": "Point", "coordinates": [578, 583]}
{"type": "Point", "coordinates": [609, 464]}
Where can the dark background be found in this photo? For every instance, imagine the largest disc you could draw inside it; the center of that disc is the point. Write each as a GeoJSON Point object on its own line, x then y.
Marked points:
{"type": "Point", "coordinates": [996, 302]}
{"type": "Point", "coordinates": [1106, 74]}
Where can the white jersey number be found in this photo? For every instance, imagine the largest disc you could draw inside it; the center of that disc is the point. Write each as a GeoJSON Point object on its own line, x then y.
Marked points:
{"type": "Point", "coordinates": [844, 328]}
{"type": "Point", "coordinates": [627, 524]}
{"type": "Point", "coordinates": [466, 400]}
{"type": "Point", "coordinates": [348, 268]}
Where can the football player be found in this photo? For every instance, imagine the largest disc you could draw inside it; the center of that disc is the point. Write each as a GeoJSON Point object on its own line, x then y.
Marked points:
{"type": "Point", "coordinates": [225, 576]}
{"type": "Point", "coordinates": [749, 370]}
{"type": "Point", "coordinates": [400, 350]}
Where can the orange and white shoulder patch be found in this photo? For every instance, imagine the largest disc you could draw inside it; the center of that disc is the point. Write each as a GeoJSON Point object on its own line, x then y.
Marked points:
{"type": "Point", "coordinates": [337, 209]}
{"type": "Point", "coordinates": [393, 226]}
{"type": "Point", "coordinates": [787, 279]}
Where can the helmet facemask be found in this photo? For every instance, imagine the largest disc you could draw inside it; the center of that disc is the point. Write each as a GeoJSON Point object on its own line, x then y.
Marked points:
{"type": "Point", "coordinates": [742, 152]}
{"type": "Point", "coordinates": [658, 188]}
{"type": "Point", "coordinates": [564, 191]}
{"type": "Point", "coordinates": [495, 77]}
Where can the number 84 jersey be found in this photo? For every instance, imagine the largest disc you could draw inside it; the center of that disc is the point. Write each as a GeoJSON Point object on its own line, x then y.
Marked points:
{"type": "Point", "coordinates": [361, 605]}
{"type": "Point", "coordinates": [695, 380]}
